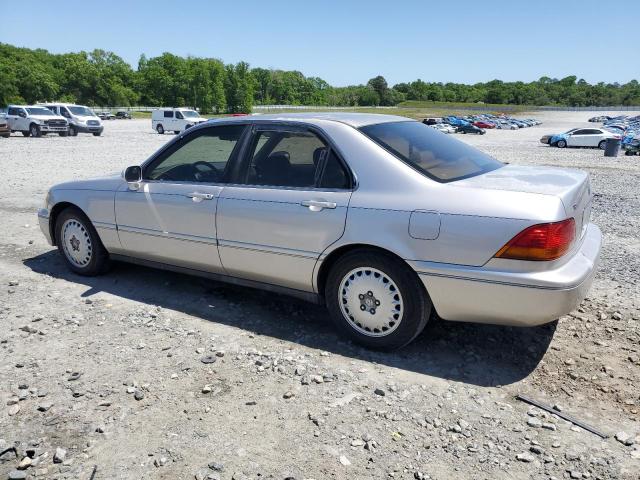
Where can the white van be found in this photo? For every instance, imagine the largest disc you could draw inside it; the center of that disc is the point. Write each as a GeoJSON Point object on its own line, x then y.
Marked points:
{"type": "Point", "coordinates": [174, 119]}
{"type": "Point", "coordinates": [81, 118]}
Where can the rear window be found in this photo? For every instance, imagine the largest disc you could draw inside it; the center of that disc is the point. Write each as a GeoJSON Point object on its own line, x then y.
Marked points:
{"type": "Point", "coordinates": [432, 153]}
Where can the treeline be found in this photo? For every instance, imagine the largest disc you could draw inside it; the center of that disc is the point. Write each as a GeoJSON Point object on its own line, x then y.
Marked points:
{"type": "Point", "coordinates": [102, 78]}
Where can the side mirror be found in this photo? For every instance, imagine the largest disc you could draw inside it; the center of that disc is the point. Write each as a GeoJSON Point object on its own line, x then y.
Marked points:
{"type": "Point", "coordinates": [133, 174]}
{"type": "Point", "coordinates": [22, 114]}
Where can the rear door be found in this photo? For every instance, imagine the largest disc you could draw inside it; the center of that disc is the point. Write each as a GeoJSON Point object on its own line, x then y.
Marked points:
{"type": "Point", "coordinates": [288, 204]}
{"type": "Point", "coordinates": [168, 120]}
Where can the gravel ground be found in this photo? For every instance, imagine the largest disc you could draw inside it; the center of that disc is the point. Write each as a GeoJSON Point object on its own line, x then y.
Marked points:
{"type": "Point", "coordinates": [143, 374]}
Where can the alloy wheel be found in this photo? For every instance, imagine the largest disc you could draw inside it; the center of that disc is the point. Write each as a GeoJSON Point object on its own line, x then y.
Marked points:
{"type": "Point", "coordinates": [76, 243]}
{"type": "Point", "coordinates": [370, 301]}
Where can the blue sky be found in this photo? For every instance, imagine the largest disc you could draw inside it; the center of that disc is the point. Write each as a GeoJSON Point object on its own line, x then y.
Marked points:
{"type": "Point", "coordinates": [349, 42]}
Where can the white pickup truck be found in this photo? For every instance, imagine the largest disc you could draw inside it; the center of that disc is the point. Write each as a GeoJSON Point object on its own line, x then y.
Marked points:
{"type": "Point", "coordinates": [35, 121]}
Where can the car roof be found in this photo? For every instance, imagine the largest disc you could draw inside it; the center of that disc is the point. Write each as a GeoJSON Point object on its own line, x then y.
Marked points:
{"type": "Point", "coordinates": [353, 119]}
{"type": "Point", "coordinates": [26, 106]}
{"type": "Point", "coordinates": [60, 103]}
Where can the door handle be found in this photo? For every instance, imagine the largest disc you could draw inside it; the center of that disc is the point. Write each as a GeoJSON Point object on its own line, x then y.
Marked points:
{"type": "Point", "coordinates": [198, 197]}
{"type": "Point", "coordinates": [317, 205]}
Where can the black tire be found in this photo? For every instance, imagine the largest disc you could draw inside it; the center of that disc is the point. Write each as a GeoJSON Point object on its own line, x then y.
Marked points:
{"type": "Point", "coordinates": [176, 132]}
{"type": "Point", "coordinates": [96, 261]}
{"type": "Point", "coordinates": [26, 133]}
{"type": "Point", "coordinates": [63, 134]}
{"type": "Point", "coordinates": [416, 305]}
{"type": "Point", "coordinates": [34, 130]}
{"type": "Point", "coordinates": [602, 145]}
{"type": "Point", "coordinates": [561, 143]}
{"type": "Point", "coordinates": [97, 134]}
{"type": "Point", "coordinates": [72, 131]}
{"type": "Point", "coordinates": [160, 129]}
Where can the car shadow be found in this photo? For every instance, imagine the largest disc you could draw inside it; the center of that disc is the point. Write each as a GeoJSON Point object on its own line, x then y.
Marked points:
{"type": "Point", "coordinates": [483, 355]}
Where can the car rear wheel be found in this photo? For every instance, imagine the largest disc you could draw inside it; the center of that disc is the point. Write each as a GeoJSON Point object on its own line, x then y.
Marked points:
{"type": "Point", "coordinates": [34, 130]}
{"type": "Point", "coordinates": [561, 144]}
{"type": "Point", "coordinates": [79, 244]}
{"type": "Point", "coordinates": [602, 145]}
{"type": "Point", "coordinates": [160, 129]}
{"type": "Point", "coordinates": [376, 300]}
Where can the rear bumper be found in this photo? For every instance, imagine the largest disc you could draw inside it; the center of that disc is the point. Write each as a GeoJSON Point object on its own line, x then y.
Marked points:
{"type": "Point", "coordinates": [43, 220]}
{"type": "Point", "coordinates": [472, 294]}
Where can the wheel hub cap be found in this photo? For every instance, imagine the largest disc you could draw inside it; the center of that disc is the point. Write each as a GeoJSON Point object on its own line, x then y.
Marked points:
{"type": "Point", "coordinates": [370, 302]}
{"type": "Point", "coordinates": [76, 243]}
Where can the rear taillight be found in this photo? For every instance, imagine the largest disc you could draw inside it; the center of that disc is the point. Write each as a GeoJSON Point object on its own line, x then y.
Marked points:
{"type": "Point", "coordinates": [545, 241]}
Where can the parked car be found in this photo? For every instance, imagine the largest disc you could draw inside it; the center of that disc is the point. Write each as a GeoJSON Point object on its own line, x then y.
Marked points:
{"type": "Point", "coordinates": [174, 119]}
{"type": "Point", "coordinates": [483, 124]}
{"type": "Point", "coordinates": [122, 115]}
{"type": "Point", "coordinates": [80, 118]}
{"type": "Point", "coordinates": [4, 127]}
{"type": "Point", "coordinates": [443, 127]}
{"type": "Point", "coordinates": [271, 202]}
{"type": "Point", "coordinates": [35, 121]}
{"type": "Point", "coordinates": [468, 128]}
{"type": "Point", "coordinates": [106, 116]}
{"type": "Point", "coordinates": [432, 121]}
{"type": "Point", "coordinates": [581, 137]}
{"type": "Point", "coordinates": [599, 118]}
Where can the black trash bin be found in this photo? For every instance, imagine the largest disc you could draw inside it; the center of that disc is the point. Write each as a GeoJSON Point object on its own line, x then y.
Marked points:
{"type": "Point", "coordinates": [612, 147]}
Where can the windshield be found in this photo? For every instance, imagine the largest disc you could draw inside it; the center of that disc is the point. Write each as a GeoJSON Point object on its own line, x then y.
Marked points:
{"type": "Point", "coordinates": [190, 114]}
{"type": "Point", "coordinates": [432, 153]}
{"type": "Point", "coordinates": [82, 111]}
{"type": "Point", "coordinates": [39, 111]}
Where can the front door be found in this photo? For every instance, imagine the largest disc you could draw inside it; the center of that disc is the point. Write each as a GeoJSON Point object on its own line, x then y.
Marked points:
{"type": "Point", "coordinates": [170, 216]}
{"type": "Point", "coordinates": [583, 138]}
{"type": "Point", "coordinates": [16, 118]}
{"type": "Point", "coordinates": [288, 205]}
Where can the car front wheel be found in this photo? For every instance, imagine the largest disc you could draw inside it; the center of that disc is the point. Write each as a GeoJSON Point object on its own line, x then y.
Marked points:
{"type": "Point", "coordinates": [79, 244]}
{"type": "Point", "coordinates": [34, 130]}
{"type": "Point", "coordinates": [561, 144]}
{"type": "Point", "coordinates": [376, 300]}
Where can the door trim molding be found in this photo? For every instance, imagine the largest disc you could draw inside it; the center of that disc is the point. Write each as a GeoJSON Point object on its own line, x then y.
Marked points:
{"type": "Point", "coordinates": [168, 235]}
{"type": "Point", "coordinates": [268, 249]}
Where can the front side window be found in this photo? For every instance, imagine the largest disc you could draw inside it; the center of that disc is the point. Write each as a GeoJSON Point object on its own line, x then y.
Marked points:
{"type": "Point", "coordinates": [190, 114]}
{"type": "Point", "coordinates": [435, 155]}
{"type": "Point", "coordinates": [293, 159]}
{"type": "Point", "coordinates": [39, 111]}
{"type": "Point", "coordinates": [201, 158]}
{"type": "Point", "coordinates": [179, 116]}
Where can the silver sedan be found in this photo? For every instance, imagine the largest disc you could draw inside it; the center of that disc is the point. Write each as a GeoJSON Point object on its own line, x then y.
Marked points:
{"type": "Point", "coordinates": [381, 218]}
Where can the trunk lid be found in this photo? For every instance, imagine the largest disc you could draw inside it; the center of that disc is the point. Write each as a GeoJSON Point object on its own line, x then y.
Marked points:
{"type": "Point", "coordinates": [571, 186]}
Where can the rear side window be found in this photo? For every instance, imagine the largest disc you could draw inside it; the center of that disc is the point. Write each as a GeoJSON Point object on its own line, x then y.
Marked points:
{"type": "Point", "coordinates": [12, 111]}
{"type": "Point", "coordinates": [294, 159]}
{"type": "Point", "coordinates": [168, 114]}
{"type": "Point", "coordinates": [432, 153]}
